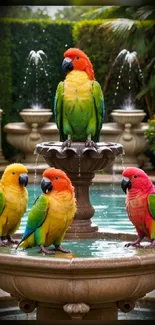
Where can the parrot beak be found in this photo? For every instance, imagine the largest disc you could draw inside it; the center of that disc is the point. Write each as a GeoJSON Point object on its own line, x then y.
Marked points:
{"type": "Point", "coordinates": [125, 184]}
{"type": "Point", "coordinates": [23, 179]}
{"type": "Point", "coordinates": [46, 185]}
{"type": "Point", "coordinates": [67, 65]}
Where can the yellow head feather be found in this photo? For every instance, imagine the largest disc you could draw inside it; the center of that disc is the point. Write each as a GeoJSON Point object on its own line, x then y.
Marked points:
{"type": "Point", "coordinates": [12, 172]}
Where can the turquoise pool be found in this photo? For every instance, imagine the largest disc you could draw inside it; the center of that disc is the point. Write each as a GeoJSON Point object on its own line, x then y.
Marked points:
{"type": "Point", "coordinates": [108, 201]}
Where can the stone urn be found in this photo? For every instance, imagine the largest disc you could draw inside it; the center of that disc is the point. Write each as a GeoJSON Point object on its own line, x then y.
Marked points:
{"type": "Point", "coordinates": [128, 129]}
{"type": "Point", "coordinates": [80, 163]}
{"type": "Point", "coordinates": [38, 116]}
{"type": "Point", "coordinates": [25, 135]}
{"type": "Point", "coordinates": [124, 116]}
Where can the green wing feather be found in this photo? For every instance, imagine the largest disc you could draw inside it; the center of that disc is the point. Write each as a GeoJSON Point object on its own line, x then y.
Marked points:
{"type": "Point", "coordinates": [2, 202]}
{"type": "Point", "coordinates": [99, 107]}
{"type": "Point", "coordinates": [151, 204]}
{"type": "Point", "coordinates": [36, 216]}
{"type": "Point", "coordinates": [58, 109]}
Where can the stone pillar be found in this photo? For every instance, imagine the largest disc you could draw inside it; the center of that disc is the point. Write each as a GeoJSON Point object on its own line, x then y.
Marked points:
{"type": "Point", "coordinates": [82, 227]}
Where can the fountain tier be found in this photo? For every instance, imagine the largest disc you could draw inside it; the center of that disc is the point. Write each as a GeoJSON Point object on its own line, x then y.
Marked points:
{"type": "Point", "coordinates": [77, 288]}
{"type": "Point", "coordinates": [80, 163]}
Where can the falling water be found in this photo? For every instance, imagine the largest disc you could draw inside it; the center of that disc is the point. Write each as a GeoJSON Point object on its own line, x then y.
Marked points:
{"type": "Point", "coordinates": [129, 58]}
{"type": "Point", "coordinates": [36, 59]}
{"type": "Point", "coordinates": [79, 167]}
{"type": "Point", "coordinates": [35, 175]}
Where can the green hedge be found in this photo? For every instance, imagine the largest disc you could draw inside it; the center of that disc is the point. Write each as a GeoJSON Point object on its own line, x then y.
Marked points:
{"type": "Point", "coordinates": [17, 39]}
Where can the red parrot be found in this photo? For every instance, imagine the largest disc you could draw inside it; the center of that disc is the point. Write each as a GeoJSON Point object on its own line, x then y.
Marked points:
{"type": "Point", "coordinates": [140, 203]}
{"type": "Point", "coordinates": [79, 101]}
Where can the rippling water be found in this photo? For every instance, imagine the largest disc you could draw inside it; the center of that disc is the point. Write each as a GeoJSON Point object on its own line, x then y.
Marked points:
{"type": "Point", "coordinates": [108, 201]}
{"type": "Point", "coordinates": [102, 248]}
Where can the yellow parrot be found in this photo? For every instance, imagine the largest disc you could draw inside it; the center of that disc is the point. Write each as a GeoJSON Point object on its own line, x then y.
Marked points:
{"type": "Point", "coordinates": [52, 213]}
{"type": "Point", "coordinates": [13, 200]}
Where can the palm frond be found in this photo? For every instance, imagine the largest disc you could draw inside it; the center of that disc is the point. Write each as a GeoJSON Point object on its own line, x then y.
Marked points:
{"type": "Point", "coordinates": [146, 12]}
{"type": "Point", "coordinates": [120, 27]}
{"type": "Point", "coordinates": [98, 12]}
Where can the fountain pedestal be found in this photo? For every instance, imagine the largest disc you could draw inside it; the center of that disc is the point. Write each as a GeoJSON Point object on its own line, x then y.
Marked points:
{"type": "Point", "coordinates": [80, 163]}
{"type": "Point", "coordinates": [25, 135]}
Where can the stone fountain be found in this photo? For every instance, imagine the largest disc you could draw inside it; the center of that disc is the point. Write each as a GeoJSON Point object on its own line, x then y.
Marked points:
{"type": "Point", "coordinates": [25, 136]}
{"type": "Point", "coordinates": [128, 127]}
{"type": "Point", "coordinates": [68, 287]}
{"type": "Point", "coordinates": [80, 163]}
{"type": "Point", "coordinates": [73, 286]}
{"type": "Point", "coordinates": [35, 128]}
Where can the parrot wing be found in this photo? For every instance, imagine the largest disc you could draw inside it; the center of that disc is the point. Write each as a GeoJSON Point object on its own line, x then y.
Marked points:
{"type": "Point", "coordinates": [99, 107]}
{"type": "Point", "coordinates": [36, 216]}
{"type": "Point", "coordinates": [58, 108]}
{"type": "Point", "coordinates": [151, 204]}
{"type": "Point", "coordinates": [2, 201]}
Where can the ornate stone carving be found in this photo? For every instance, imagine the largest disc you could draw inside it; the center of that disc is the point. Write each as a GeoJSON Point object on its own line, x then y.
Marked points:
{"type": "Point", "coordinates": [76, 310]}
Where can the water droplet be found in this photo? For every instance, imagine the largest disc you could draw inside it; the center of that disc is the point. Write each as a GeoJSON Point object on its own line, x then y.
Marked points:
{"type": "Point", "coordinates": [66, 45]}
{"type": "Point", "coordinates": [117, 87]}
{"type": "Point", "coordinates": [43, 30]}
{"type": "Point", "coordinates": [119, 77]}
{"type": "Point", "coordinates": [24, 82]}
{"type": "Point", "coordinates": [115, 94]}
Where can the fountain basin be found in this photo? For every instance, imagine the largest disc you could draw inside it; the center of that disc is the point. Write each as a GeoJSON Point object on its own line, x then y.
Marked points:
{"type": "Point", "coordinates": [71, 287]}
{"type": "Point", "coordinates": [40, 116]}
{"type": "Point", "coordinates": [123, 116]}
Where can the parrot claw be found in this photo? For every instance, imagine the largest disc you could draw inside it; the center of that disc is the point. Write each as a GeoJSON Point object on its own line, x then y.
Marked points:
{"type": "Point", "coordinates": [67, 143]}
{"type": "Point", "coordinates": [46, 251]}
{"type": "Point", "coordinates": [12, 241]}
{"type": "Point", "coordinates": [90, 143]}
{"type": "Point", "coordinates": [7, 241]}
{"type": "Point", "coordinates": [2, 244]}
{"type": "Point", "coordinates": [152, 245]}
{"type": "Point", "coordinates": [60, 249]}
{"type": "Point", "coordinates": [134, 245]}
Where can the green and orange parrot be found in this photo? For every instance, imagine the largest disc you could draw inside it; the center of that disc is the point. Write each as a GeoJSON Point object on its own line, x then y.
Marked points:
{"type": "Point", "coordinates": [51, 214]}
{"type": "Point", "coordinates": [79, 101]}
{"type": "Point", "coordinates": [140, 203]}
{"type": "Point", "coordinates": [13, 201]}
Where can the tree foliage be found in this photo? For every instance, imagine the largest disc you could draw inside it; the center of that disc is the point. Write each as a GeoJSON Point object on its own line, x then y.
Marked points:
{"type": "Point", "coordinates": [73, 13]}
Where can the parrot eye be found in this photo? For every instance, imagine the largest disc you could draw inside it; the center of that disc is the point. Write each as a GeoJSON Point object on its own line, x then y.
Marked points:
{"type": "Point", "coordinates": [56, 177]}
{"type": "Point", "coordinates": [77, 57]}
{"type": "Point", "coordinates": [13, 173]}
{"type": "Point", "coordinates": [135, 176]}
